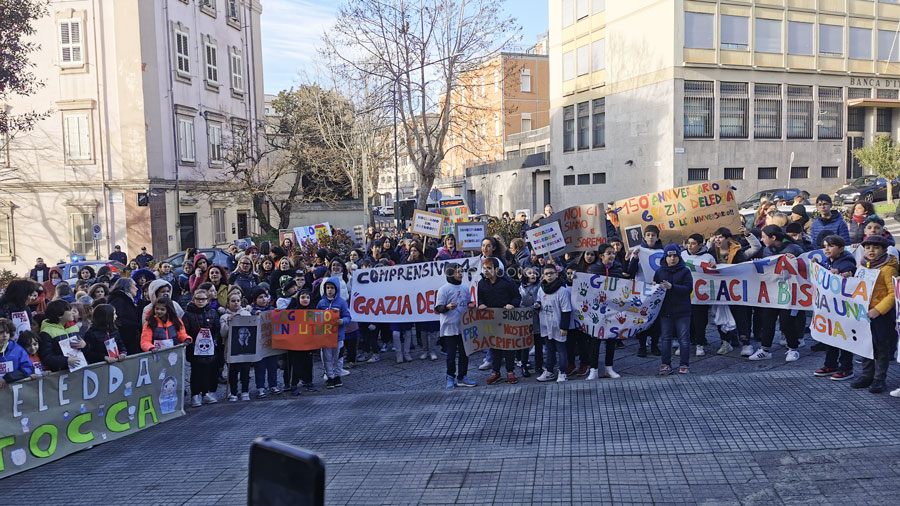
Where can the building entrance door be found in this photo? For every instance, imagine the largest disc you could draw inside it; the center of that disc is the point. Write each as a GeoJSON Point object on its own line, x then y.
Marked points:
{"type": "Point", "coordinates": [188, 230]}
{"type": "Point", "coordinates": [242, 227]}
{"type": "Point", "coordinates": [854, 169]}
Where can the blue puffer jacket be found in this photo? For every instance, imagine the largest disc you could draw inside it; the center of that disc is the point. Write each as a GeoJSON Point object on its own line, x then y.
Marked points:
{"type": "Point", "coordinates": [678, 298]}
{"type": "Point", "coordinates": [19, 364]}
{"type": "Point", "coordinates": [822, 228]}
{"type": "Point", "coordinates": [336, 303]}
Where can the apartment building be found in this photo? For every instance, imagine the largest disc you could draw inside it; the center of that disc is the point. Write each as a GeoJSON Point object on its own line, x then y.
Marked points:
{"type": "Point", "coordinates": [651, 94]}
{"type": "Point", "coordinates": [145, 98]}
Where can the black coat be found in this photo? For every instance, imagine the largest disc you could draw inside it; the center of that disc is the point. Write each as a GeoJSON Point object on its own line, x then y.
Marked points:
{"type": "Point", "coordinates": [128, 319]}
{"type": "Point", "coordinates": [502, 292]}
{"type": "Point", "coordinates": [613, 271]}
{"type": "Point", "coordinates": [34, 273]}
{"type": "Point", "coordinates": [195, 319]}
{"type": "Point", "coordinates": [95, 351]}
{"type": "Point", "coordinates": [678, 298]}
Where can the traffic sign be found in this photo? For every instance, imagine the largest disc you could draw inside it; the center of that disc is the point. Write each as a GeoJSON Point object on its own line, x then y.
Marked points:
{"type": "Point", "coordinates": [98, 234]}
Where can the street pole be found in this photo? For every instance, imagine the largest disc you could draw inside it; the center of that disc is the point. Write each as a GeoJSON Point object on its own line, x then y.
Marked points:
{"type": "Point", "coordinates": [396, 161]}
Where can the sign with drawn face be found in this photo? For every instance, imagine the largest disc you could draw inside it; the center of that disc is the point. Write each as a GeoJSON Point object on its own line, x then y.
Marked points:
{"type": "Point", "coordinates": [250, 338]}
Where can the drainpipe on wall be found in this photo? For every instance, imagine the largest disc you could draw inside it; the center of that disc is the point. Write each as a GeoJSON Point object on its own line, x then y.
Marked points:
{"type": "Point", "coordinates": [104, 124]}
{"type": "Point", "coordinates": [171, 90]}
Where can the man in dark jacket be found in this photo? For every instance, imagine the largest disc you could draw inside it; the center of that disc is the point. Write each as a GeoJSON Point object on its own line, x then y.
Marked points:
{"type": "Point", "coordinates": [496, 291]}
{"type": "Point", "coordinates": [41, 271]}
{"type": "Point", "coordinates": [119, 256]}
{"type": "Point", "coordinates": [144, 258]}
{"type": "Point", "coordinates": [675, 313]}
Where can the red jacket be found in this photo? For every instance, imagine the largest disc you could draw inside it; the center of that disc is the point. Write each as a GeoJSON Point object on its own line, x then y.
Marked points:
{"type": "Point", "coordinates": [162, 331]}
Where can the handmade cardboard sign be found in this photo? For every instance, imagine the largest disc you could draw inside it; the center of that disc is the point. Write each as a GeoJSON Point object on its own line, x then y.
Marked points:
{"type": "Point", "coordinates": [47, 418]}
{"type": "Point", "coordinates": [839, 310]}
{"type": "Point", "coordinates": [204, 346]}
{"type": "Point", "coordinates": [453, 212]}
{"type": "Point", "coordinates": [428, 224]}
{"type": "Point", "coordinates": [546, 238]}
{"type": "Point", "coordinates": [583, 227]}
{"type": "Point", "coordinates": [503, 329]}
{"type": "Point", "coordinates": [679, 212]}
{"type": "Point", "coordinates": [304, 329]}
{"type": "Point", "coordinates": [614, 308]}
{"type": "Point", "coordinates": [469, 235]}
{"type": "Point", "coordinates": [250, 338]}
{"type": "Point", "coordinates": [312, 233]}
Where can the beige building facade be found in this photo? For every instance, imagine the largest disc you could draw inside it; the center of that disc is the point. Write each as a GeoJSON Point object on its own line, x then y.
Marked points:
{"type": "Point", "coordinates": [144, 99]}
{"type": "Point", "coordinates": [652, 94]}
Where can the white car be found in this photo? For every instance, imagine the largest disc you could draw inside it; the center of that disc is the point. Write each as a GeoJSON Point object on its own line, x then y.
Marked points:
{"type": "Point", "coordinates": [387, 211]}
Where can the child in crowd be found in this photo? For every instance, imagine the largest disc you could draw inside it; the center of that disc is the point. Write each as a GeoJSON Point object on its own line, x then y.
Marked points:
{"type": "Point", "coordinates": [30, 342]}
{"type": "Point", "coordinates": [235, 370]}
{"type": "Point", "coordinates": [200, 322]}
{"type": "Point", "coordinates": [608, 266]}
{"type": "Point", "coordinates": [555, 304]}
{"type": "Point", "coordinates": [881, 314]}
{"type": "Point", "coordinates": [300, 363]}
{"type": "Point", "coordinates": [57, 326]}
{"type": "Point", "coordinates": [14, 362]}
{"type": "Point", "coordinates": [838, 362]}
{"type": "Point", "coordinates": [696, 258]}
{"type": "Point", "coordinates": [330, 356]}
{"type": "Point", "coordinates": [675, 313]}
{"type": "Point", "coordinates": [102, 338]}
{"type": "Point", "coordinates": [576, 340]}
{"type": "Point", "coordinates": [528, 290]}
{"type": "Point", "coordinates": [651, 241]}
{"type": "Point", "coordinates": [874, 225]}
{"type": "Point", "coordinates": [267, 368]}
{"type": "Point", "coordinates": [453, 299]}
{"type": "Point", "coordinates": [163, 328]}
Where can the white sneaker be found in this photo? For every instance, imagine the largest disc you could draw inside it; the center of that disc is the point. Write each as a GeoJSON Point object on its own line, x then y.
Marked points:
{"type": "Point", "coordinates": [677, 352]}
{"type": "Point", "coordinates": [245, 396]}
{"type": "Point", "coordinates": [610, 373]}
{"type": "Point", "coordinates": [433, 356]}
{"type": "Point", "coordinates": [325, 377]}
{"type": "Point", "coordinates": [232, 398]}
{"type": "Point", "coordinates": [210, 398]}
{"type": "Point", "coordinates": [485, 365]}
{"type": "Point", "coordinates": [701, 351]}
{"type": "Point", "coordinates": [423, 356]}
{"type": "Point", "coordinates": [345, 372]}
{"type": "Point", "coordinates": [196, 401]}
{"type": "Point", "coordinates": [761, 354]}
{"type": "Point", "coordinates": [895, 393]}
{"type": "Point", "coordinates": [275, 390]}
{"type": "Point", "coordinates": [725, 349]}
{"type": "Point", "coordinates": [792, 356]}
{"type": "Point", "coordinates": [746, 350]}
{"type": "Point", "coordinates": [592, 375]}
{"type": "Point", "coordinates": [546, 376]}
{"type": "Point", "coordinates": [561, 377]}
{"type": "Point", "coordinates": [374, 358]}
{"type": "Point", "coordinates": [261, 393]}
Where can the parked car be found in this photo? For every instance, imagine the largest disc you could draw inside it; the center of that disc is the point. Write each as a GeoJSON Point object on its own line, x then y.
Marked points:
{"type": "Point", "coordinates": [867, 188]}
{"type": "Point", "coordinates": [387, 211]}
{"type": "Point", "coordinates": [216, 256]}
{"type": "Point", "coordinates": [70, 270]}
{"type": "Point", "coordinates": [788, 194]}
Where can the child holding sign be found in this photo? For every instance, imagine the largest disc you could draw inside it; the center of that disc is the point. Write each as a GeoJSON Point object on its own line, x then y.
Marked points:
{"type": "Point", "coordinates": [675, 314]}
{"type": "Point", "coordinates": [201, 323]}
{"type": "Point", "coordinates": [104, 342]}
{"type": "Point", "coordinates": [55, 328]}
{"type": "Point", "coordinates": [331, 356]}
{"type": "Point", "coordinates": [452, 301]}
{"type": "Point", "coordinates": [14, 362]}
{"type": "Point", "coordinates": [838, 261]}
{"type": "Point", "coordinates": [163, 328]}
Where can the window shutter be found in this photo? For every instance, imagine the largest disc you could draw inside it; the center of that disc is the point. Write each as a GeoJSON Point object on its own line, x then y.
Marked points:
{"type": "Point", "coordinates": [70, 43]}
{"type": "Point", "coordinates": [65, 41]}
{"type": "Point", "coordinates": [75, 33]}
{"type": "Point", "coordinates": [71, 136]}
{"type": "Point", "coordinates": [84, 137]}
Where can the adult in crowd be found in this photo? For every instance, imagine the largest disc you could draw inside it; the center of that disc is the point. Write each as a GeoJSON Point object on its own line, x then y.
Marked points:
{"type": "Point", "coordinates": [41, 271]}
{"type": "Point", "coordinates": [828, 222]}
{"type": "Point", "coordinates": [144, 258]}
{"type": "Point", "coordinates": [17, 300]}
{"type": "Point", "coordinates": [128, 316]}
{"type": "Point", "coordinates": [118, 255]}
{"type": "Point", "coordinates": [244, 277]}
{"type": "Point", "coordinates": [856, 228]}
{"type": "Point", "coordinates": [496, 290]}
{"type": "Point", "coordinates": [449, 251]}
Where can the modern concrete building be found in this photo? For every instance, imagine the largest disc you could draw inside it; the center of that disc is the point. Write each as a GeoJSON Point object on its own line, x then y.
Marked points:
{"type": "Point", "coordinates": [144, 97]}
{"type": "Point", "coordinates": [652, 94]}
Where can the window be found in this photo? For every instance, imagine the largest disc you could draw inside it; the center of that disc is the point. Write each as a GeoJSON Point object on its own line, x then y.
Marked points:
{"type": "Point", "coordinates": [237, 71]}
{"type": "Point", "coordinates": [569, 180]}
{"type": "Point", "coordinates": [599, 6]}
{"type": "Point", "coordinates": [598, 55]}
{"type": "Point", "coordinates": [767, 111]}
{"type": "Point", "coordinates": [599, 178]}
{"type": "Point", "coordinates": [599, 116]}
{"type": "Point", "coordinates": [887, 50]}
{"type": "Point", "coordinates": [569, 128]}
{"type": "Point", "coordinates": [734, 173]}
{"type": "Point", "coordinates": [831, 113]}
{"type": "Point", "coordinates": [734, 32]}
{"type": "Point", "coordinates": [767, 173]}
{"type": "Point", "coordinates": [861, 43]}
{"type": "Point", "coordinates": [831, 40]}
{"type": "Point", "coordinates": [71, 46]}
{"type": "Point", "coordinates": [800, 38]}
{"type": "Point", "coordinates": [186, 139]}
{"type": "Point", "coordinates": [698, 174]}
{"type": "Point", "coordinates": [583, 8]}
{"type": "Point", "coordinates": [525, 81]}
{"type": "Point", "coordinates": [212, 63]}
{"type": "Point", "coordinates": [856, 116]}
{"type": "Point", "coordinates": [526, 121]}
{"type": "Point", "coordinates": [233, 11]}
{"type": "Point", "coordinates": [884, 116]}
{"type": "Point", "coordinates": [698, 109]}
{"type": "Point", "coordinates": [583, 59]}
{"type": "Point", "coordinates": [799, 112]}
{"type": "Point", "coordinates": [584, 179]}
{"type": "Point", "coordinates": [698, 30]}
{"type": "Point", "coordinates": [584, 125]}
{"type": "Point", "coordinates": [6, 234]}
{"type": "Point", "coordinates": [799, 172]}
{"type": "Point", "coordinates": [182, 59]}
{"type": "Point", "coordinates": [77, 136]}
{"type": "Point", "coordinates": [214, 133]}
{"type": "Point", "coordinates": [81, 230]}
{"type": "Point", "coordinates": [219, 226]}
{"type": "Point", "coordinates": [768, 36]}
{"type": "Point", "coordinates": [734, 110]}
{"type": "Point", "coordinates": [569, 65]}
{"type": "Point", "coordinates": [568, 13]}
{"type": "Point", "coordinates": [830, 172]}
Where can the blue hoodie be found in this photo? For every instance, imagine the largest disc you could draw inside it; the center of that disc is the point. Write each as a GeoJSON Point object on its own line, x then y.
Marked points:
{"type": "Point", "coordinates": [844, 263]}
{"type": "Point", "coordinates": [336, 303]}
{"type": "Point", "coordinates": [17, 362]}
{"type": "Point", "coordinates": [678, 298]}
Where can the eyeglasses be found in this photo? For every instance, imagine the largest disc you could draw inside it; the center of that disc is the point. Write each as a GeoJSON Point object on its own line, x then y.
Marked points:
{"type": "Point", "coordinates": [201, 299]}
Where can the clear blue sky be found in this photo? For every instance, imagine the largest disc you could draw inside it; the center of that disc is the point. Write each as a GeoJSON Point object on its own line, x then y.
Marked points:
{"type": "Point", "coordinates": [291, 30]}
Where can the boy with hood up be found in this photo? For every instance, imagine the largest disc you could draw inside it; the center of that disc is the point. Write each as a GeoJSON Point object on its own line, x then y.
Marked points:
{"type": "Point", "coordinates": [331, 356]}
{"type": "Point", "coordinates": [453, 299]}
{"type": "Point", "coordinates": [675, 313]}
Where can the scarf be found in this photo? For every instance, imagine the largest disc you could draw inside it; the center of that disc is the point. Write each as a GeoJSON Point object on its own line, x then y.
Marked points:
{"type": "Point", "coordinates": [859, 219]}
{"type": "Point", "coordinates": [877, 263]}
{"type": "Point", "coordinates": [553, 286]}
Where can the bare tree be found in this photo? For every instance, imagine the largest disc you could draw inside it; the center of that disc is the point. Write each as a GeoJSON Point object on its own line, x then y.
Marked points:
{"type": "Point", "coordinates": [418, 50]}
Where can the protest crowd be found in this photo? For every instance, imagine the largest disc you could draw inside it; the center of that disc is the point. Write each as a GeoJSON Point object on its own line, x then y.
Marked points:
{"type": "Point", "coordinates": [106, 315]}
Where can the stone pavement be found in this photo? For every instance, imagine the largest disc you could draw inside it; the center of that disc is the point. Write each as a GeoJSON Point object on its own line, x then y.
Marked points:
{"type": "Point", "coordinates": [732, 432]}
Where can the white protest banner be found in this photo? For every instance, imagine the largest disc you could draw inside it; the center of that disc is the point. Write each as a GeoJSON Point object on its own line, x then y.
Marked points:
{"type": "Point", "coordinates": [502, 329]}
{"type": "Point", "coordinates": [614, 308]}
{"type": "Point", "coordinates": [21, 321]}
{"type": "Point", "coordinates": [425, 223]}
{"type": "Point", "coordinates": [546, 238]}
{"type": "Point", "coordinates": [583, 227]}
{"type": "Point", "coordinates": [250, 338]}
{"type": "Point", "coordinates": [312, 233]}
{"type": "Point", "coordinates": [839, 311]}
{"type": "Point", "coordinates": [405, 293]}
{"type": "Point", "coordinates": [469, 235]}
